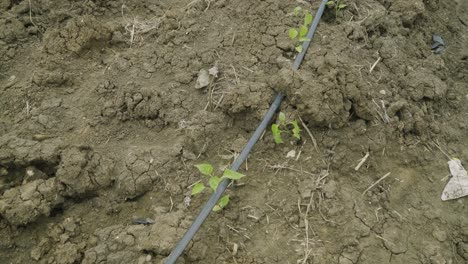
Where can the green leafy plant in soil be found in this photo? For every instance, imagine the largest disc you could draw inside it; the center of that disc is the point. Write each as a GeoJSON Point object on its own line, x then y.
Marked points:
{"type": "Point", "coordinates": [213, 182]}
{"type": "Point", "coordinates": [337, 5]}
{"type": "Point", "coordinates": [299, 35]}
{"type": "Point", "coordinates": [282, 126]}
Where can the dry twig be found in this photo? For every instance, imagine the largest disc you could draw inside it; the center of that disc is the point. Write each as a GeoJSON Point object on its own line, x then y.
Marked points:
{"type": "Point", "coordinates": [375, 183]}
{"type": "Point", "coordinates": [310, 134]}
{"type": "Point", "coordinates": [375, 64]}
{"type": "Point", "coordinates": [362, 161]}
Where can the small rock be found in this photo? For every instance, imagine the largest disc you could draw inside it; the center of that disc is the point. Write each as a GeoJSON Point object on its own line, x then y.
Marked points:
{"type": "Point", "coordinates": [148, 67]}
{"type": "Point", "coordinates": [32, 174]}
{"type": "Point", "coordinates": [440, 235]}
{"type": "Point", "coordinates": [213, 71]}
{"type": "Point", "coordinates": [291, 154]}
{"type": "Point", "coordinates": [69, 224]}
{"type": "Point", "coordinates": [203, 79]}
{"type": "Point", "coordinates": [148, 258]}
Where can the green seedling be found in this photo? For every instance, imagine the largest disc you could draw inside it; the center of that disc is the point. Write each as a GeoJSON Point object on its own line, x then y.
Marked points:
{"type": "Point", "coordinates": [299, 35]}
{"type": "Point", "coordinates": [281, 126]}
{"type": "Point", "coordinates": [337, 4]}
{"type": "Point", "coordinates": [213, 182]}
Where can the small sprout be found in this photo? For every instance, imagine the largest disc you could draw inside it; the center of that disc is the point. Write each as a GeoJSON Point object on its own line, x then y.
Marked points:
{"type": "Point", "coordinates": [276, 133]}
{"type": "Point", "coordinates": [205, 169]}
{"type": "Point", "coordinates": [298, 35]}
{"type": "Point", "coordinates": [308, 19]}
{"type": "Point", "coordinates": [296, 130]}
{"type": "Point", "coordinates": [303, 31]}
{"type": "Point", "coordinates": [330, 3]}
{"type": "Point", "coordinates": [198, 188]}
{"type": "Point", "coordinates": [213, 182]}
{"type": "Point", "coordinates": [282, 118]}
{"type": "Point", "coordinates": [293, 33]}
{"type": "Point", "coordinates": [342, 6]}
{"type": "Point", "coordinates": [233, 175]}
{"type": "Point", "coordinates": [281, 124]}
{"type": "Point", "coordinates": [297, 10]}
{"type": "Point", "coordinates": [222, 203]}
{"type": "Point", "coordinates": [337, 4]}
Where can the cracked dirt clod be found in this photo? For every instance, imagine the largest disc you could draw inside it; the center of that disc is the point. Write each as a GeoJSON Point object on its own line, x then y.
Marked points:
{"type": "Point", "coordinates": [24, 204]}
{"type": "Point", "coordinates": [144, 166]}
{"type": "Point", "coordinates": [83, 171]}
{"type": "Point", "coordinates": [15, 151]}
{"type": "Point", "coordinates": [154, 107]}
{"type": "Point", "coordinates": [247, 97]}
{"type": "Point", "coordinates": [127, 243]}
{"type": "Point", "coordinates": [78, 34]}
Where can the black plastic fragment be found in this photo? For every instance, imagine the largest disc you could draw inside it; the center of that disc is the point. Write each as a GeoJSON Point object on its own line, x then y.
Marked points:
{"type": "Point", "coordinates": [438, 44]}
{"type": "Point", "coordinates": [143, 221]}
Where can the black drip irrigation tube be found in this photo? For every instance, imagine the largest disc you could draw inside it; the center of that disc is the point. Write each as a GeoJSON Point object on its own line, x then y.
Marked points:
{"type": "Point", "coordinates": [210, 204]}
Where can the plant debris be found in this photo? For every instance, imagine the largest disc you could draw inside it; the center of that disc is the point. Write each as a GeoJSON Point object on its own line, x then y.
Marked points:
{"type": "Point", "coordinates": [457, 186]}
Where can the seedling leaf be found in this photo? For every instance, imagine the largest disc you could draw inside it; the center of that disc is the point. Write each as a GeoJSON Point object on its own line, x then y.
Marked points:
{"type": "Point", "coordinates": [276, 134]}
{"type": "Point", "coordinates": [233, 175]}
{"type": "Point", "coordinates": [299, 48]}
{"type": "Point", "coordinates": [292, 33]}
{"type": "Point", "coordinates": [330, 3]}
{"type": "Point", "coordinates": [214, 182]}
{"type": "Point", "coordinates": [223, 201]}
{"type": "Point", "coordinates": [304, 39]}
{"type": "Point", "coordinates": [341, 6]}
{"type": "Point", "coordinates": [198, 188]}
{"type": "Point", "coordinates": [302, 31]}
{"type": "Point", "coordinates": [308, 19]}
{"type": "Point", "coordinates": [297, 9]}
{"type": "Point", "coordinates": [296, 130]}
{"type": "Point", "coordinates": [205, 169]}
{"type": "Point", "coordinates": [281, 118]}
